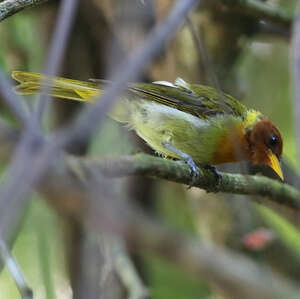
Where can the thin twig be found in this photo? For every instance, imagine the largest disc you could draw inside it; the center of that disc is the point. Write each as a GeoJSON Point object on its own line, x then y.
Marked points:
{"type": "Point", "coordinates": [14, 102]}
{"type": "Point", "coordinates": [127, 272]}
{"type": "Point", "coordinates": [60, 37]}
{"type": "Point", "coordinates": [17, 180]}
{"type": "Point", "coordinates": [92, 116]}
{"type": "Point", "coordinates": [204, 57]}
{"type": "Point", "coordinates": [15, 271]}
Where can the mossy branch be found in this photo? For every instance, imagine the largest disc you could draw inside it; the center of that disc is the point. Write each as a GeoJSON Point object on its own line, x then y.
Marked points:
{"type": "Point", "coordinates": [65, 182]}
{"type": "Point", "coordinates": [179, 172]}
{"type": "Point", "coordinates": [10, 7]}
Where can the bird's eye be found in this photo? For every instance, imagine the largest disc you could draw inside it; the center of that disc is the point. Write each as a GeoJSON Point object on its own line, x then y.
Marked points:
{"type": "Point", "coordinates": [273, 141]}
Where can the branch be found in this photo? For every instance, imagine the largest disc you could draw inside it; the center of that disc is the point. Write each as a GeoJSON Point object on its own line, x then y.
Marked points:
{"type": "Point", "coordinates": [65, 181]}
{"type": "Point", "coordinates": [127, 272]}
{"type": "Point", "coordinates": [61, 35]}
{"type": "Point", "coordinates": [65, 185]}
{"type": "Point", "coordinates": [10, 7]}
{"type": "Point", "coordinates": [261, 10]}
{"type": "Point", "coordinates": [179, 171]}
{"type": "Point", "coordinates": [235, 275]}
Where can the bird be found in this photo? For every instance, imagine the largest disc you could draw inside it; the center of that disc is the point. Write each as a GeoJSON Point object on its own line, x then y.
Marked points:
{"type": "Point", "coordinates": [191, 122]}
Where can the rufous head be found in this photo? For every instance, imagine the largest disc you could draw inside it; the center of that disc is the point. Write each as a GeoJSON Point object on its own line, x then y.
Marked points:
{"type": "Point", "coordinates": [265, 145]}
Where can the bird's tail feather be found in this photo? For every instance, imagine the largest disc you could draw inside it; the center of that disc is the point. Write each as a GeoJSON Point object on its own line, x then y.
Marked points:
{"type": "Point", "coordinates": [34, 83]}
{"type": "Point", "coordinates": [30, 83]}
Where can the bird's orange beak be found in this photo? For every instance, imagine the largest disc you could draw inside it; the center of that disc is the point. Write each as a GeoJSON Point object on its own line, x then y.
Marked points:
{"type": "Point", "coordinates": [274, 164]}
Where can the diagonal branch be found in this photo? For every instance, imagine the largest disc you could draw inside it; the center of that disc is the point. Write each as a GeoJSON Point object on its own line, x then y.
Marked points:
{"type": "Point", "coordinates": [235, 275]}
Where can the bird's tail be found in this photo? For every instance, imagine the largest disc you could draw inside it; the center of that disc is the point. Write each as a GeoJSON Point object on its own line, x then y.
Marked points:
{"type": "Point", "coordinates": [34, 83]}
{"type": "Point", "coordinates": [31, 83]}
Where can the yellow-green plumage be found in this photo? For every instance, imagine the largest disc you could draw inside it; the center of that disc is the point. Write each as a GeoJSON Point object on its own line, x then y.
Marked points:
{"type": "Point", "coordinates": [193, 118]}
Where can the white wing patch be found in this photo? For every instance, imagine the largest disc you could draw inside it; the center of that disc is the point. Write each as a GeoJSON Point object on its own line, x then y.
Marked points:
{"type": "Point", "coordinates": [179, 82]}
{"type": "Point", "coordinates": [165, 83]}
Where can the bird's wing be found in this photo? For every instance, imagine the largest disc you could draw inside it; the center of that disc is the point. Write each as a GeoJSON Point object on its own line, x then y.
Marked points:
{"type": "Point", "coordinates": [199, 100]}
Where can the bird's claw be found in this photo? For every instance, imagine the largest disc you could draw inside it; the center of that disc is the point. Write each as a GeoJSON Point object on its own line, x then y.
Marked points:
{"type": "Point", "coordinates": [215, 172]}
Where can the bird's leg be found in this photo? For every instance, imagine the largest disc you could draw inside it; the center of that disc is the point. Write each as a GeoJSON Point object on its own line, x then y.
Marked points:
{"type": "Point", "coordinates": [187, 158]}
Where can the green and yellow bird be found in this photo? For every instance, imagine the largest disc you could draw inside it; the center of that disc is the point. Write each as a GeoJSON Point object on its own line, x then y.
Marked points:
{"type": "Point", "coordinates": [191, 122]}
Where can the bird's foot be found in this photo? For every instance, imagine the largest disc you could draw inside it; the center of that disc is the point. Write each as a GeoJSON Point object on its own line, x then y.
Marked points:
{"type": "Point", "coordinates": [216, 173]}
{"type": "Point", "coordinates": [213, 170]}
